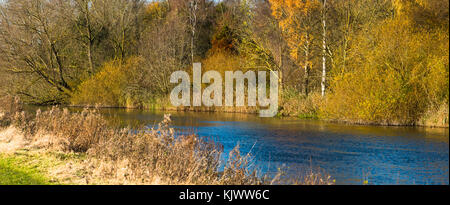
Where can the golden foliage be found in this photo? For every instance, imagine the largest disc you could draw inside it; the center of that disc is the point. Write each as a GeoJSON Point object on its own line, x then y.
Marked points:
{"type": "Point", "coordinates": [156, 10]}
{"type": "Point", "coordinates": [107, 87]}
{"type": "Point", "coordinates": [223, 61]}
{"type": "Point", "coordinates": [397, 73]}
{"type": "Point", "coordinates": [295, 19]}
{"type": "Point", "coordinates": [299, 105]}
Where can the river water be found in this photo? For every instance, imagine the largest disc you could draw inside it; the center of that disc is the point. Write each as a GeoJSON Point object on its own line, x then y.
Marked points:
{"type": "Point", "coordinates": [350, 154]}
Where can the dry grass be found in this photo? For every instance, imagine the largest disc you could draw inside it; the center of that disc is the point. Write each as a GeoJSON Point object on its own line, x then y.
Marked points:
{"type": "Point", "coordinates": [76, 132]}
{"type": "Point", "coordinates": [10, 107]}
{"type": "Point", "coordinates": [11, 140]}
{"type": "Point", "coordinates": [158, 155]}
{"type": "Point", "coordinates": [128, 156]}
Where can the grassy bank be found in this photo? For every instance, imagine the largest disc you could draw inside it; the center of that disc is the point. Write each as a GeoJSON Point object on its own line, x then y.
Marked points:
{"type": "Point", "coordinates": [59, 147]}
{"type": "Point", "coordinates": [15, 169]}
{"type": "Point", "coordinates": [37, 167]}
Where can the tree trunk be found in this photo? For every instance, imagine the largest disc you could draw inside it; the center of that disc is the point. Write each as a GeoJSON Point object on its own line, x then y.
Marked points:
{"type": "Point", "coordinates": [280, 73]}
{"type": "Point", "coordinates": [193, 20]}
{"type": "Point", "coordinates": [89, 53]}
{"type": "Point", "coordinates": [306, 67]}
{"type": "Point", "coordinates": [90, 38]}
{"type": "Point", "coordinates": [324, 49]}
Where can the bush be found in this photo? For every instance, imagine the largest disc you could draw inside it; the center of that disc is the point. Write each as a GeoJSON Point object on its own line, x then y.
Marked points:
{"type": "Point", "coordinates": [110, 86]}
{"type": "Point", "coordinates": [435, 117]}
{"type": "Point", "coordinates": [296, 104]}
{"type": "Point", "coordinates": [222, 62]}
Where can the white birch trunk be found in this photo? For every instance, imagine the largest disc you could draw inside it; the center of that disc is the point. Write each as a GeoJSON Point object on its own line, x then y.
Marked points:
{"type": "Point", "coordinates": [324, 49]}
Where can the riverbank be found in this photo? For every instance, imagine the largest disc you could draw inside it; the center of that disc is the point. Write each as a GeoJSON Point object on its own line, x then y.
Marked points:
{"type": "Point", "coordinates": [432, 119]}
{"type": "Point", "coordinates": [60, 147]}
{"type": "Point", "coordinates": [314, 106]}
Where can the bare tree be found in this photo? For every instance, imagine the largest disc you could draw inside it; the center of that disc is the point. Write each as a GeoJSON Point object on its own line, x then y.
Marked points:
{"type": "Point", "coordinates": [35, 40]}
{"type": "Point", "coordinates": [118, 17]}
{"type": "Point", "coordinates": [165, 46]}
{"type": "Point", "coordinates": [87, 27]}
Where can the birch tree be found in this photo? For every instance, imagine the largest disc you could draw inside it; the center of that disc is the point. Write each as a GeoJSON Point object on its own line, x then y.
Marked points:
{"type": "Point", "coordinates": [324, 46]}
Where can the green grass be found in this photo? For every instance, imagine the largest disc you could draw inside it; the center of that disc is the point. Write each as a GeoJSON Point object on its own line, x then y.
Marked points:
{"type": "Point", "coordinates": [31, 168]}
{"type": "Point", "coordinates": [15, 171]}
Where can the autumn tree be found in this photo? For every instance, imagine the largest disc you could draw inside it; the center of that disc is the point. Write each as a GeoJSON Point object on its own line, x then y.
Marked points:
{"type": "Point", "coordinates": [298, 21]}
{"type": "Point", "coordinates": [261, 41]}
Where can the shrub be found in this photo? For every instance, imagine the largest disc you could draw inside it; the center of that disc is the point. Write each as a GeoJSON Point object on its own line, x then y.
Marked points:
{"type": "Point", "coordinates": [296, 104]}
{"type": "Point", "coordinates": [436, 117]}
{"type": "Point", "coordinates": [109, 86]}
{"type": "Point", "coordinates": [223, 61]}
